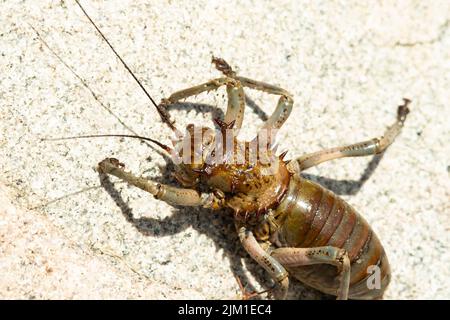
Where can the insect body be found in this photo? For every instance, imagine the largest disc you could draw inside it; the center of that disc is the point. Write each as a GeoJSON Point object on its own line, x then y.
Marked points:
{"type": "Point", "coordinates": [291, 226]}
{"type": "Point", "coordinates": [325, 229]}
{"type": "Point", "coordinates": [288, 224]}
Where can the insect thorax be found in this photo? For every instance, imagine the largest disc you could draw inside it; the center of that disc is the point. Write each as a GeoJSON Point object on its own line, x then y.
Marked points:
{"type": "Point", "coordinates": [251, 179]}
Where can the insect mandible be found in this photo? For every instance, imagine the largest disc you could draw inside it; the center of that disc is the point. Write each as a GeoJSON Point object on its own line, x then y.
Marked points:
{"type": "Point", "coordinates": [291, 226]}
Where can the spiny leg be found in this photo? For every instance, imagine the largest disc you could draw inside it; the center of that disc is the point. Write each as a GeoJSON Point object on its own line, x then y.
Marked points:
{"type": "Point", "coordinates": [281, 113]}
{"type": "Point", "coordinates": [365, 148]}
{"type": "Point", "coordinates": [166, 193]}
{"type": "Point", "coordinates": [195, 90]}
{"type": "Point", "coordinates": [264, 259]}
{"type": "Point", "coordinates": [236, 104]}
{"type": "Point", "coordinates": [296, 257]}
{"type": "Point", "coordinates": [285, 103]}
{"type": "Point", "coordinates": [235, 92]}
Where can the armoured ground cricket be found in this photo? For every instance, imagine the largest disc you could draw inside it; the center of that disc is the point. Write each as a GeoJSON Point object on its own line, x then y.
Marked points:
{"type": "Point", "coordinates": [291, 226]}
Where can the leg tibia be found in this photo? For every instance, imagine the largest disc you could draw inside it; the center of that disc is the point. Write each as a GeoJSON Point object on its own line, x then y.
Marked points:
{"type": "Point", "coordinates": [236, 104]}
{"type": "Point", "coordinates": [192, 91]}
{"type": "Point", "coordinates": [281, 113]}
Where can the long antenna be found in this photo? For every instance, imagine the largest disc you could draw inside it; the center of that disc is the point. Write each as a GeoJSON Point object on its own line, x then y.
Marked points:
{"type": "Point", "coordinates": [161, 145]}
{"type": "Point", "coordinates": [162, 112]}
{"type": "Point", "coordinates": [83, 82]}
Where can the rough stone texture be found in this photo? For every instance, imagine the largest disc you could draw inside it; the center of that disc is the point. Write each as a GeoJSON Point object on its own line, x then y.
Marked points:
{"type": "Point", "coordinates": [348, 64]}
{"type": "Point", "coordinates": [40, 262]}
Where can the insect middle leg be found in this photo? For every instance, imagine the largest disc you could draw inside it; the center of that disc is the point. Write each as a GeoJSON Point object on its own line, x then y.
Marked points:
{"type": "Point", "coordinates": [296, 257]}
{"type": "Point", "coordinates": [365, 148]}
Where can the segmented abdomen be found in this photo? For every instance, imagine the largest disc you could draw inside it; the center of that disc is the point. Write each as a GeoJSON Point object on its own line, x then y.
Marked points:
{"type": "Point", "coordinates": [312, 216]}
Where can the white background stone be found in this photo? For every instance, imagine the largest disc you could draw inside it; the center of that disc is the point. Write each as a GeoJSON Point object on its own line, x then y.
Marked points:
{"type": "Point", "coordinates": [348, 65]}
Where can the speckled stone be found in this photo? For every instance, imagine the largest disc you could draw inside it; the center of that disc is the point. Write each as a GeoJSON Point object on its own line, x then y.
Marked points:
{"type": "Point", "coordinates": [66, 234]}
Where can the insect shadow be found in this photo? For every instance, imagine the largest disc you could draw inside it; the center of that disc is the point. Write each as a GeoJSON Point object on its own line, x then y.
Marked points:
{"type": "Point", "coordinates": [217, 112]}
{"type": "Point", "coordinates": [347, 187]}
{"type": "Point", "coordinates": [219, 225]}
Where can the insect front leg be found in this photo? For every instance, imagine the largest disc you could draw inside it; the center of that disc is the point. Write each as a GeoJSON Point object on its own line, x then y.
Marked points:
{"type": "Point", "coordinates": [236, 104]}
{"type": "Point", "coordinates": [166, 193]}
{"type": "Point", "coordinates": [365, 148]}
{"type": "Point", "coordinates": [264, 259]}
{"type": "Point", "coordinates": [195, 90]}
{"type": "Point", "coordinates": [296, 257]}
{"type": "Point", "coordinates": [285, 103]}
{"type": "Point", "coordinates": [235, 92]}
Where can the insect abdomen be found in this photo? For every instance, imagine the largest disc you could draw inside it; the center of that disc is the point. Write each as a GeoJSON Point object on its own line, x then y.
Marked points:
{"type": "Point", "coordinates": [312, 216]}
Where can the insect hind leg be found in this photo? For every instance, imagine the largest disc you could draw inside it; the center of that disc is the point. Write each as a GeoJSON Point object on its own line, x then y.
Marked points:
{"type": "Point", "coordinates": [265, 260]}
{"type": "Point", "coordinates": [295, 257]}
